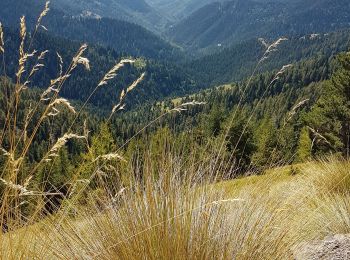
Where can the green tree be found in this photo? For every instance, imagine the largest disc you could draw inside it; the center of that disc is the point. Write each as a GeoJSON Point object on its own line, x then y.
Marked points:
{"type": "Point", "coordinates": [212, 122]}
{"type": "Point", "coordinates": [304, 150]}
{"type": "Point", "coordinates": [330, 117]}
{"type": "Point", "coordinates": [240, 143]}
{"type": "Point", "coordinates": [101, 144]}
{"type": "Point", "coordinates": [265, 142]}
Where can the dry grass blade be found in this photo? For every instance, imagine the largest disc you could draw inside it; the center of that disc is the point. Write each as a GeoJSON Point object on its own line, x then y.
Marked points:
{"type": "Point", "coordinates": [2, 43]}
{"type": "Point", "coordinates": [110, 157]}
{"type": "Point", "coordinates": [21, 64]}
{"type": "Point", "coordinates": [295, 108]}
{"type": "Point", "coordinates": [61, 101]}
{"type": "Point", "coordinates": [4, 152]}
{"type": "Point", "coordinates": [23, 33]}
{"type": "Point", "coordinates": [38, 65]}
{"type": "Point", "coordinates": [54, 87]}
{"type": "Point", "coordinates": [184, 106]}
{"type": "Point", "coordinates": [281, 72]}
{"type": "Point", "coordinates": [120, 105]}
{"type": "Point", "coordinates": [42, 55]}
{"type": "Point", "coordinates": [35, 69]}
{"type": "Point", "coordinates": [42, 15]}
{"type": "Point", "coordinates": [22, 189]}
{"type": "Point", "coordinates": [84, 61]}
{"type": "Point", "coordinates": [60, 62]}
{"type": "Point", "coordinates": [317, 135]}
{"type": "Point", "coordinates": [60, 143]}
{"type": "Point", "coordinates": [113, 72]}
{"type": "Point", "coordinates": [26, 123]}
{"type": "Point", "coordinates": [271, 48]}
{"type": "Point", "coordinates": [78, 59]}
{"type": "Point", "coordinates": [136, 82]}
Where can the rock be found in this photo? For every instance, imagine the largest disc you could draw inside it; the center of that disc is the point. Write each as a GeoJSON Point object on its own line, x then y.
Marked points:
{"type": "Point", "coordinates": [332, 248]}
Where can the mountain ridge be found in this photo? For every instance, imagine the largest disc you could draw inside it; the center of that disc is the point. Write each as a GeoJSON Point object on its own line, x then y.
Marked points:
{"type": "Point", "coordinates": [124, 37]}
{"type": "Point", "coordinates": [135, 11]}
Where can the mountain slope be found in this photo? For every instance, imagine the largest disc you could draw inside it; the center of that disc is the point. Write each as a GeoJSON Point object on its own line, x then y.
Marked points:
{"type": "Point", "coordinates": [238, 61]}
{"type": "Point", "coordinates": [179, 9]}
{"type": "Point", "coordinates": [161, 80]}
{"type": "Point", "coordinates": [229, 22]}
{"type": "Point", "coordinates": [122, 36]}
{"type": "Point", "coordinates": [136, 11]}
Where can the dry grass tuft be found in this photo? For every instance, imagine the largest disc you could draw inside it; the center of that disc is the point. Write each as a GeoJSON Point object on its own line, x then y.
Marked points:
{"type": "Point", "coordinates": [173, 217]}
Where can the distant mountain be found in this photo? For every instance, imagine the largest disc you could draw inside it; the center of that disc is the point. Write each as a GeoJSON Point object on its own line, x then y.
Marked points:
{"type": "Point", "coordinates": [222, 24]}
{"type": "Point", "coordinates": [124, 37]}
{"type": "Point", "coordinates": [136, 11]}
{"type": "Point", "coordinates": [178, 9]}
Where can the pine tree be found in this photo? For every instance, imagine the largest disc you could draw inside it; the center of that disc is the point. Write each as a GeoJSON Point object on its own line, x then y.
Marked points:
{"type": "Point", "coordinates": [212, 122]}
{"type": "Point", "coordinates": [240, 143]}
{"type": "Point", "coordinates": [330, 117]}
{"type": "Point", "coordinates": [101, 144]}
{"type": "Point", "coordinates": [304, 150]}
{"type": "Point", "coordinates": [265, 142]}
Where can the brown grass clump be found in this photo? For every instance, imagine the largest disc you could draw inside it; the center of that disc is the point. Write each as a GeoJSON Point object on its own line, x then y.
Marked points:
{"type": "Point", "coordinates": [181, 215]}
{"type": "Point", "coordinates": [178, 218]}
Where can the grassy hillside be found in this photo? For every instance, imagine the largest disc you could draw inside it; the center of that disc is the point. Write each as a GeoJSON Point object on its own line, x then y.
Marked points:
{"type": "Point", "coordinates": [264, 217]}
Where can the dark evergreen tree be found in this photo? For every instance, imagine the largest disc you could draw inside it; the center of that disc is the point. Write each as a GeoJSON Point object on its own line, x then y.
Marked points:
{"type": "Point", "coordinates": [304, 150]}
{"type": "Point", "coordinates": [330, 117]}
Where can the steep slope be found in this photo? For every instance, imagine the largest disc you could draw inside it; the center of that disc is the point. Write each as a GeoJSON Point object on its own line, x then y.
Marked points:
{"type": "Point", "coordinates": [229, 22]}
{"type": "Point", "coordinates": [162, 80]}
{"type": "Point", "coordinates": [179, 9]}
{"type": "Point", "coordinates": [238, 61]}
{"type": "Point", "coordinates": [136, 11]}
{"type": "Point", "coordinates": [122, 36]}
{"type": "Point", "coordinates": [221, 23]}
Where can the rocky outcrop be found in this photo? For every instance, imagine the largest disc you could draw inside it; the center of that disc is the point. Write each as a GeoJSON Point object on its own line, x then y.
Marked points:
{"type": "Point", "coordinates": [332, 248]}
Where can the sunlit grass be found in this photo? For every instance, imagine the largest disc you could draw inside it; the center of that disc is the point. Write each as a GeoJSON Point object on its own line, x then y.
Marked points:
{"type": "Point", "coordinates": [257, 217]}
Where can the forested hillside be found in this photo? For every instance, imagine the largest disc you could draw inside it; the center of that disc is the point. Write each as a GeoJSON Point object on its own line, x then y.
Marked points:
{"type": "Point", "coordinates": [122, 36]}
{"type": "Point", "coordinates": [134, 11]}
{"type": "Point", "coordinates": [234, 21]}
{"type": "Point", "coordinates": [274, 109]}
{"type": "Point", "coordinates": [238, 61]}
{"type": "Point", "coordinates": [179, 9]}
{"type": "Point", "coordinates": [162, 80]}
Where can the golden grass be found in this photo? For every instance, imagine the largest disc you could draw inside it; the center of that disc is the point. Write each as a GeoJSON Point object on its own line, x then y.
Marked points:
{"type": "Point", "coordinates": [15, 143]}
{"type": "Point", "coordinates": [261, 217]}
